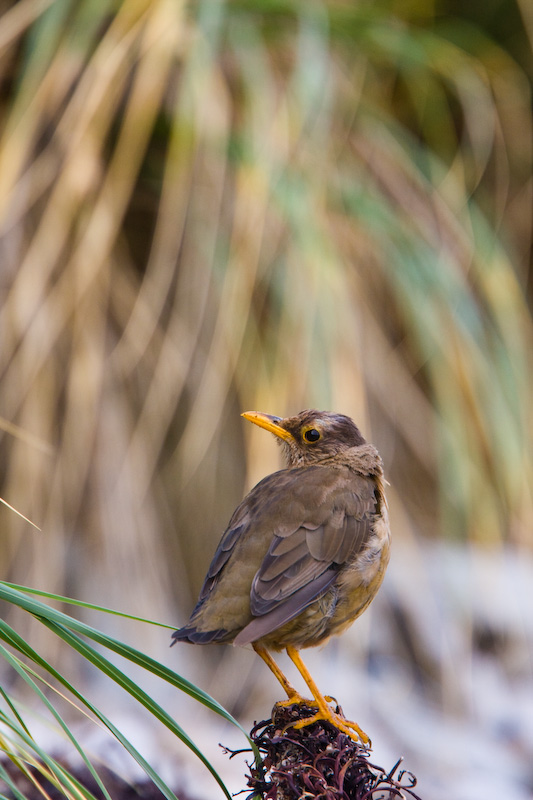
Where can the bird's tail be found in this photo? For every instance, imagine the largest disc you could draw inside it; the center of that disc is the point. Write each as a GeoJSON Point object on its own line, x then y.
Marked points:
{"type": "Point", "coordinates": [191, 634]}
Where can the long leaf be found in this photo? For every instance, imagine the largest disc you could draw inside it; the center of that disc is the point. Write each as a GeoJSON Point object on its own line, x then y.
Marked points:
{"type": "Point", "coordinates": [82, 604]}
{"type": "Point", "coordinates": [12, 638]}
{"type": "Point", "coordinates": [44, 612]}
{"type": "Point", "coordinates": [23, 670]}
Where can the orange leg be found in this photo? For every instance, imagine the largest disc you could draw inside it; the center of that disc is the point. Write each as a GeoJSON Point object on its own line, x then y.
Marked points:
{"type": "Point", "coordinates": [292, 694]}
{"type": "Point", "coordinates": [324, 711]}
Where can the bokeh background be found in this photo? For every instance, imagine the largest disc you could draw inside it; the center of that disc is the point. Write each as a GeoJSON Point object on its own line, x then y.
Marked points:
{"type": "Point", "coordinates": [210, 207]}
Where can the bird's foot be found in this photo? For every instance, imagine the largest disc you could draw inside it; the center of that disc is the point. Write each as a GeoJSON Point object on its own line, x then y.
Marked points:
{"type": "Point", "coordinates": [336, 718]}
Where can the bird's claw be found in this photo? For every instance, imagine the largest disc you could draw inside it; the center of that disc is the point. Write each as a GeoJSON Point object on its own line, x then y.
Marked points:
{"type": "Point", "coordinates": [326, 714]}
{"type": "Point", "coordinates": [351, 729]}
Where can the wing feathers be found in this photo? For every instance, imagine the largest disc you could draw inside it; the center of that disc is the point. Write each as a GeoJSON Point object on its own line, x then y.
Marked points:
{"type": "Point", "coordinates": [325, 542]}
{"type": "Point", "coordinates": [282, 613]}
{"type": "Point", "coordinates": [299, 526]}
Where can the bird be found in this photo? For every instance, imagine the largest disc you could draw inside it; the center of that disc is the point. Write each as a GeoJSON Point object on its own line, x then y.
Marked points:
{"type": "Point", "coordinates": [303, 554]}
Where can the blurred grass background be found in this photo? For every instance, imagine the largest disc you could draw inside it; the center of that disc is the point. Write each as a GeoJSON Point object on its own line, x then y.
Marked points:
{"type": "Point", "coordinates": [210, 207]}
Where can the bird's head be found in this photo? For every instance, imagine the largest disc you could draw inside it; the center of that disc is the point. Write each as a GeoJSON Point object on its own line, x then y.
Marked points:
{"type": "Point", "coordinates": [310, 436]}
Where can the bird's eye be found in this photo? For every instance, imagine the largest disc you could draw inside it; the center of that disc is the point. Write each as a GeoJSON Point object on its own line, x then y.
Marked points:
{"type": "Point", "coordinates": [312, 435]}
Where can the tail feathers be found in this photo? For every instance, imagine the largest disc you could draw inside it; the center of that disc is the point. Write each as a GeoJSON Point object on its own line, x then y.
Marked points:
{"type": "Point", "coordinates": [191, 634]}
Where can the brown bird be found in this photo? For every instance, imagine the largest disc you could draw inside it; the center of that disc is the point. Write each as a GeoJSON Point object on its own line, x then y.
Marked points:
{"type": "Point", "coordinates": [304, 553]}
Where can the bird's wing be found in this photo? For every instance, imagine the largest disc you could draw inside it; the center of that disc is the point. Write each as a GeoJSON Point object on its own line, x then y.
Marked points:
{"type": "Point", "coordinates": [331, 512]}
{"type": "Point", "coordinates": [291, 534]}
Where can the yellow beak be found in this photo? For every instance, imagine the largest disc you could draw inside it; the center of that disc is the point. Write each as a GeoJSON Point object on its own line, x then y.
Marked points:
{"type": "Point", "coordinates": [269, 423]}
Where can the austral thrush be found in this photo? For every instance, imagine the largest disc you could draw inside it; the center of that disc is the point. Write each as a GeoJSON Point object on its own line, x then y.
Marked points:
{"type": "Point", "coordinates": [304, 553]}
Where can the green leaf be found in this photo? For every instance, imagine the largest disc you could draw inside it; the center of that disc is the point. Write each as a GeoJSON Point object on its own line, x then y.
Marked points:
{"type": "Point", "coordinates": [70, 631]}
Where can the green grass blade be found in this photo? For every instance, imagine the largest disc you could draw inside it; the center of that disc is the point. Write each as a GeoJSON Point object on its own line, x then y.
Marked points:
{"type": "Point", "coordinates": [81, 604]}
{"type": "Point", "coordinates": [24, 671]}
{"type": "Point", "coordinates": [63, 625]}
{"type": "Point", "coordinates": [24, 751]}
{"type": "Point", "coordinates": [13, 710]}
{"type": "Point", "coordinates": [135, 656]}
{"type": "Point", "coordinates": [5, 777]}
{"type": "Point", "coordinates": [109, 669]}
{"type": "Point", "coordinates": [14, 640]}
